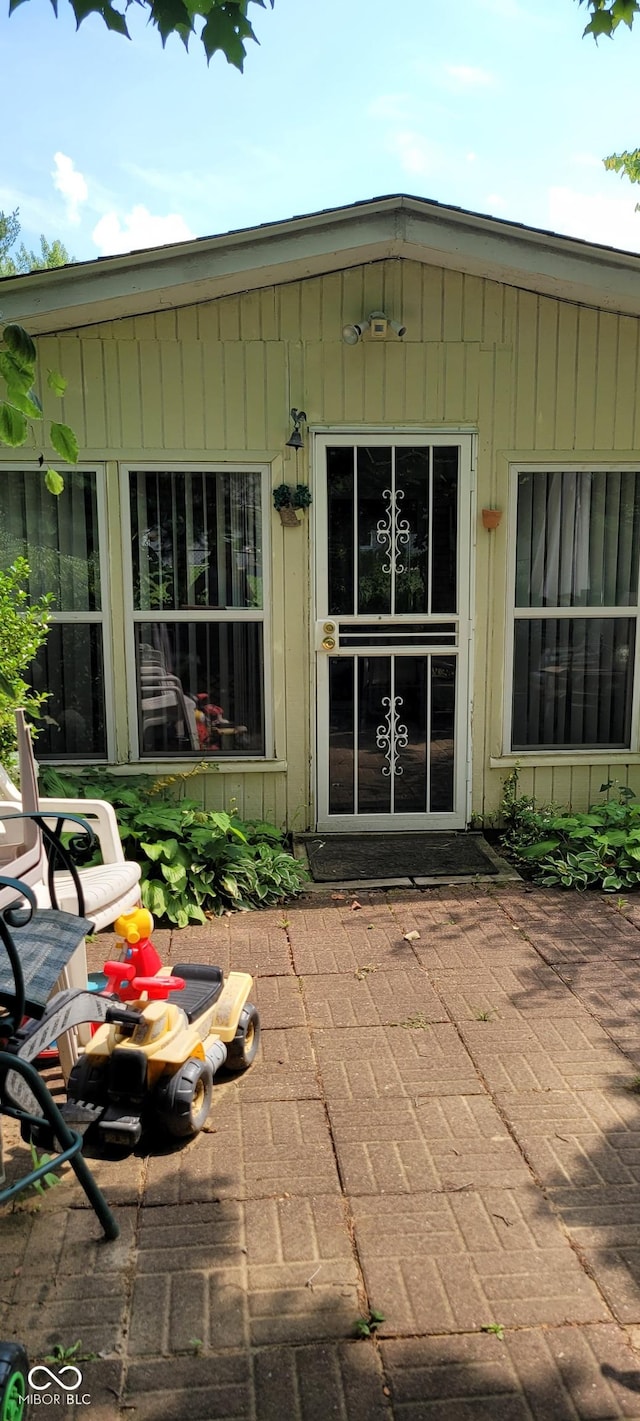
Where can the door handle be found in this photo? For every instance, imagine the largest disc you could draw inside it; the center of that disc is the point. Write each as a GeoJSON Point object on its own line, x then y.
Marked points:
{"type": "Point", "coordinates": [326, 635]}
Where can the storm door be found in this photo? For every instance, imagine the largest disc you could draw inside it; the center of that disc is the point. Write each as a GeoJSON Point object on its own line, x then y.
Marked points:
{"type": "Point", "coordinates": [392, 631]}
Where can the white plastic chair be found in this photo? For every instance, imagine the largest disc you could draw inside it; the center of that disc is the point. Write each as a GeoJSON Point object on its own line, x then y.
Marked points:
{"type": "Point", "coordinates": [109, 889]}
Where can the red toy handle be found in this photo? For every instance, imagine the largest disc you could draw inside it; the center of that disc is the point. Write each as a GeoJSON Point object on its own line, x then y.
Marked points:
{"type": "Point", "coordinates": [121, 971]}
{"type": "Point", "coordinates": [157, 988]}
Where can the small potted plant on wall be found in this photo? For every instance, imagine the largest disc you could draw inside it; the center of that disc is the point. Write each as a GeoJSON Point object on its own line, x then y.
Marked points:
{"type": "Point", "coordinates": [288, 500]}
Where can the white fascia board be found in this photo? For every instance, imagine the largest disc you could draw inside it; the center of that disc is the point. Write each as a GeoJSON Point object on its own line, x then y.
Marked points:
{"type": "Point", "coordinates": [198, 271]}
{"type": "Point", "coordinates": [541, 262]}
{"type": "Point", "coordinates": [181, 275]}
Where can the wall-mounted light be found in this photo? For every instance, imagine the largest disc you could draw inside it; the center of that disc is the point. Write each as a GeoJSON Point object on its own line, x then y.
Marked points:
{"type": "Point", "coordinates": [351, 334]}
{"type": "Point", "coordinates": [376, 323]}
{"type": "Point", "coordinates": [295, 440]}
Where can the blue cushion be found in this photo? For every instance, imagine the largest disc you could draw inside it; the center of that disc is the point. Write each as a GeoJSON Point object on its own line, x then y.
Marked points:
{"type": "Point", "coordinates": [45, 946]}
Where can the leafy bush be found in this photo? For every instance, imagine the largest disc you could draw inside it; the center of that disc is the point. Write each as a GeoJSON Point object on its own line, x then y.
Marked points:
{"type": "Point", "coordinates": [599, 849]}
{"type": "Point", "coordinates": [24, 629]}
{"type": "Point", "coordinates": [195, 863]}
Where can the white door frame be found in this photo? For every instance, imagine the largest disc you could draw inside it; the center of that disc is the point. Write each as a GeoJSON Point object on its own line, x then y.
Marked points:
{"type": "Point", "coordinates": [458, 818]}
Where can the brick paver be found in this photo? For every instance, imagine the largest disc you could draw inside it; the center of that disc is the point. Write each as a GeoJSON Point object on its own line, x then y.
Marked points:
{"type": "Point", "coordinates": [445, 1128]}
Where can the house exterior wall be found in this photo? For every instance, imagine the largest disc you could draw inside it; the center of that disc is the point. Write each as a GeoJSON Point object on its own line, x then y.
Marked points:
{"type": "Point", "coordinates": [538, 380]}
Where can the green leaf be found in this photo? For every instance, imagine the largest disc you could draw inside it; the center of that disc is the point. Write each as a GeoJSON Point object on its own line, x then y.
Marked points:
{"type": "Point", "coordinates": [600, 24]}
{"type": "Point", "coordinates": [175, 875]}
{"type": "Point", "coordinates": [64, 442]}
{"type": "Point", "coordinates": [54, 481]}
{"type": "Point", "coordinates": [173, 15]}
{"type": "Point", "coordinates": [19, 343]}
{"type": "Point", "coordinates": [153, 897]}
{"type": "Point", "coordinates": [13, 426]}
{"type": "Point", "coordinates": [56, 382]}
{"type": "Point", "coordinates": [226, 29]}
{"type": "Point", "coordinates": [17, 373]}
{"type": "Point", "coordinates": [170, 848]}
{"type": "Point", "coordinates": [26, 401]}
{"type": "Point", "coordinates": [112, 18]}
{"type": "Point", "coordinates": [538, 851]}
{"type": "Point", "coordinates": [152, 851]}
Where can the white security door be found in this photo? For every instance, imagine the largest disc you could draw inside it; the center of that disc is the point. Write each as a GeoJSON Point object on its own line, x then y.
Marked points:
{"type": "Point", "coordinates": [392, 631]}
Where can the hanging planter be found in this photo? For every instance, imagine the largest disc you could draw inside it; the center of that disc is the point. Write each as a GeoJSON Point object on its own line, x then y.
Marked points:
{"type": "Point", "coordinates": [288, 500]}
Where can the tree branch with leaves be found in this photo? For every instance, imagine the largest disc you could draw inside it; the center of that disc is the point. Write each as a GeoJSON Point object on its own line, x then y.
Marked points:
{"type": "Point", "coordinates": [219, 25]}
{"type": "Point", "coordinates": [20, 405]}
{"type": "Point", "coordinates": [606, 15]}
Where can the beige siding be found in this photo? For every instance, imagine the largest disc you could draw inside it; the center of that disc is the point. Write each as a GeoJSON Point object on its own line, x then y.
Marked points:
{"type": "Point", "coordinates": [531, 374]}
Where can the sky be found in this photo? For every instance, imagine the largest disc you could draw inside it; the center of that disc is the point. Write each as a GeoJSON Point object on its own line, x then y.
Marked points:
{"type": "Point", "coordinates": [498, 106]}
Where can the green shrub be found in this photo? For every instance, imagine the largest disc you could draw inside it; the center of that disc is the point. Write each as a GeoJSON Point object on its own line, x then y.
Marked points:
{"type": "Point", "coordinates": [24, 629]}
{"type": "Point", "coordinates": [599, 849]}
{"type": "Point", "coordinates": [195, 863]}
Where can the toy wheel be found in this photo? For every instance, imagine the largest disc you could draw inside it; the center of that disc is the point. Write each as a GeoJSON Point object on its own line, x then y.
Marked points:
{"type": "Point", "coordinates": [183, 1101]}
{"type": "Point", "coordinates": [14, 1386]}
{"type": "Point", "coordinates": [245, 1043]}
{"type": "Point", "coordinates": [87, 1081]}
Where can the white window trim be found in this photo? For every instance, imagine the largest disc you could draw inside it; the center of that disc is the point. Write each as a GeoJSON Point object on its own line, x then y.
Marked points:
{"type": "Point", "coordinates": [575, 755]}
{"type": "Point", "coordinates": [98, 618]}
{"type": "Point", "coordinates": [131, 616]}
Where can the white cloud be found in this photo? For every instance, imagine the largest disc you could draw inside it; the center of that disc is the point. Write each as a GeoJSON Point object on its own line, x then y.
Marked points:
{"type": "Point", "coordinates": [390, 106]}
{"type": "Point", "coordinates": [495, 203]}
{"type": "Point", "coordinates": [416, 154]}
{"type": "Point", "coordinates": [467, 75]}
{"type": "Point", "coordinates": [138, 228]}
{"type": "Point", "coordinates": [71, 184]}
{"type": "Point", "coordinates": [610, 220]}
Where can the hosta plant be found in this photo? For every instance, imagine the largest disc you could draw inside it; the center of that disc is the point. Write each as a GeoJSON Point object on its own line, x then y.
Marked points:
{"type": "Point", "coordinates": [599, 849]}
{"type": "Point", "coordinates": [196, 863]}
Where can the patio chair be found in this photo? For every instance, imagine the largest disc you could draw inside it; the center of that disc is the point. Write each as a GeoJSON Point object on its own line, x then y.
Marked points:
{"type": "Point", "coordinates": [110, 888]}
{"type": "Point", "coordinates": [37, 946]}
{"type": "Point", "coordinates": [30, 851]}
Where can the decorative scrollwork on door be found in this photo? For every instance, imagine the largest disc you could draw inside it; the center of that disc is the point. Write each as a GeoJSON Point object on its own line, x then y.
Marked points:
{"type": "Point", "coordinates": [393, 532]}
{"type": "Point", "coordinates": [392, 736]}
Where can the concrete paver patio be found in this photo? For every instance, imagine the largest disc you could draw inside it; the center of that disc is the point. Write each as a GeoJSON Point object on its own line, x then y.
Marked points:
{"type": "Point", "coordinates": [445, 1129]}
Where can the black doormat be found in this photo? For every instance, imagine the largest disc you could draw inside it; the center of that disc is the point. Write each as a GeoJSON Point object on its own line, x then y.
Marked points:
{"type": "Point", "coordinates": [337, 858]}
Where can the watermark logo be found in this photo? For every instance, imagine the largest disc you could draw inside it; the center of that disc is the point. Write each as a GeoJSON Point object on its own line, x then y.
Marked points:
{"type": "Point", "coordinates": [61, 1388]}
{"type": "Point", "coordinates": [51, 1379]}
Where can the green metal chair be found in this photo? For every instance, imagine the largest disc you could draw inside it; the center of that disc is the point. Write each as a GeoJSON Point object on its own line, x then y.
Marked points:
{"type": "Point", "coordinates": [37, 947]}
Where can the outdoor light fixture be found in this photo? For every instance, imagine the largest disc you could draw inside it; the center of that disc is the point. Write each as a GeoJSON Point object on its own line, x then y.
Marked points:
{"type": "Point", "coordinates": [351, 334]}
{"type": "Point", "coordinates": [295, 438]}
{"type": "Point", "coordinates": [376, 323]}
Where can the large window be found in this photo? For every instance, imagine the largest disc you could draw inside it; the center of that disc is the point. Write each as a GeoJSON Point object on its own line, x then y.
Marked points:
{"type": "Point", "coordinates": [576, 609]}
{"type": "Point", "coordinates": [198, 611]}
{"type": "Point", "coordinates": [59, 539]}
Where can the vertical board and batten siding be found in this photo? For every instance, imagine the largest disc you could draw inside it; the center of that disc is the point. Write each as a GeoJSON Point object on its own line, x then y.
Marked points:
{"type": "Point", "coordinates": [535, 377]}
